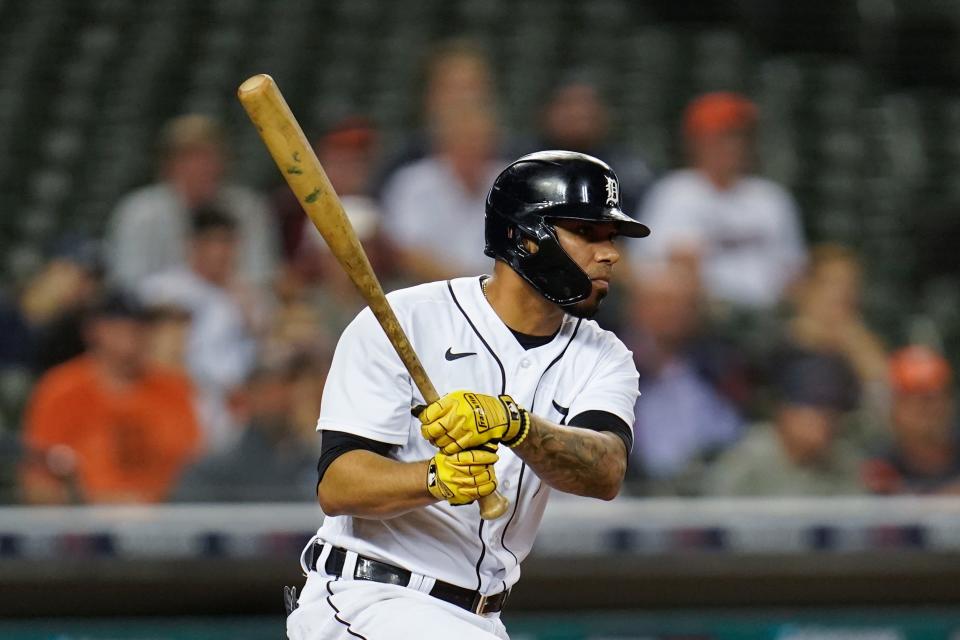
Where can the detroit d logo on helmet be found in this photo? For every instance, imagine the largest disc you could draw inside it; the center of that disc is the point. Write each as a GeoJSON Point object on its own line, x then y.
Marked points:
{"type": "Point", "coordinates": [613, 191]}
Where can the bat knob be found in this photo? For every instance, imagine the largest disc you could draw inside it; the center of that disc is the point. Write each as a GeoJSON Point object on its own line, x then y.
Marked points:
{"type": "Point", "coordinates": [493, 506]}
{"type": "Point", "coordinates": [254, 84]}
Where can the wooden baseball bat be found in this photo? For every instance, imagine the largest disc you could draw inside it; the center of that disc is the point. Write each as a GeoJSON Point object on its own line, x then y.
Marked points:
{"type": "Point", "coordinates": [300, 167]}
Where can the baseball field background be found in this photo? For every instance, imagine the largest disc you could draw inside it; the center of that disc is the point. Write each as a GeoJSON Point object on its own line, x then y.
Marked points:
{"type": "Point", "coordinates": [759, 625]}
{"type": "Point", "coordinates": [846, 567]}
{"type": "Point", "coordinates": [858, 120]}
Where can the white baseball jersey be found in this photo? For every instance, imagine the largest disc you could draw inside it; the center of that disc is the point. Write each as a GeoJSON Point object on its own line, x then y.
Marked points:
{"type": "Point", "coordinates": [749, 234]}
{"type": "Point", "coordinates": [463, 344]}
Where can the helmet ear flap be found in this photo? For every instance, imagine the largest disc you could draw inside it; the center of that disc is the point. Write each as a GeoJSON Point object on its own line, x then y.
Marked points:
{"type": "Point", "coordinates": [526, 244]}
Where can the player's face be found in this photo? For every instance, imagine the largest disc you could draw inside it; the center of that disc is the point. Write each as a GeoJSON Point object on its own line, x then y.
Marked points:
{"type": "Point", "coordinates": [120, 341]}
{"type": "Point", "coordinates": [592, 246]}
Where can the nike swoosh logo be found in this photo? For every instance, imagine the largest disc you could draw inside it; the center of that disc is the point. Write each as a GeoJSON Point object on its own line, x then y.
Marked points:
{"type": "Point", "coordinates": [561, 410]}
{"type": "Point", "coordinates": [451, 356]}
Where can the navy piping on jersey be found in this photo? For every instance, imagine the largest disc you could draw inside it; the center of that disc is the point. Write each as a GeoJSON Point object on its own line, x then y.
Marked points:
{"type": "Point", "coordinates": [555, 361]}
{"type": "Point", "coordinates": [503, 534]}
{"type": "Point", "coordinates": [503, 373]}
{"type": "Point", "coordinates": [336, 614]}
{"type": "Point", "coordinates": [523, 467]}
{"type": "Point", "coordinates": [483, 553]}
{"type": "Point", "coordinates": [503, 389]}
{"type": "Point", "coordinates": [537, 492]}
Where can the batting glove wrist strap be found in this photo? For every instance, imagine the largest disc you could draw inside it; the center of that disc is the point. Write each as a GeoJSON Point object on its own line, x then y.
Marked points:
{"type": "Point", "coordinates": [518, 422]}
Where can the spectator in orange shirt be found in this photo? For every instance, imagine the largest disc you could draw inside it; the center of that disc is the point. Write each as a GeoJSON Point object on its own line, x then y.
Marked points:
{"type": "Point", "coordinates": [106, 426]}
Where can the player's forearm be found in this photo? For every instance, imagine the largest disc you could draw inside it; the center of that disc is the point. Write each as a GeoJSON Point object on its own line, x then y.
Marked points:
{"type": "Point", "coordinates": [367, 485]}
{"type": "Point", "coordinates": [574, 460]}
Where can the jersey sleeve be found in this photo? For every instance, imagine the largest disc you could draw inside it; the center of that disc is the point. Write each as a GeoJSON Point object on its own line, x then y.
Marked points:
{"type": "Point", "coordinates": [613, 386]}
{"type": "Point", "coordinates": [368, 392]}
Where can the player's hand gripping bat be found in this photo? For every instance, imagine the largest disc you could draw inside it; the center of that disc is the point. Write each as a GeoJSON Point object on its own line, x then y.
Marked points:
{"type": "Point", "coordinates": [300, 167]}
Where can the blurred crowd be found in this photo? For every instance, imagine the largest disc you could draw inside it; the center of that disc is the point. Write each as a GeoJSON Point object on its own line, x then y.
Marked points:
{"type": "Point", "coordinates": [181, 357]}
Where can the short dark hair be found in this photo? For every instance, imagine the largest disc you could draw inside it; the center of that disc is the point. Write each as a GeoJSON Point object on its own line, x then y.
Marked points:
{"type": "Point", "coordinates": [209, 218]}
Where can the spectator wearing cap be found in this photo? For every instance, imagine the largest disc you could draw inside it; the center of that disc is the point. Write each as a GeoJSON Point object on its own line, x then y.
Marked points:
{"type": "Point", "coordinates": [742, 231]}
{"type": "Point", "coordinates": [221, 345]}
{"type": "Point", "coordinates": [925, 454]}
{"type": "Point", "coordinates": [801, 452]}
{"type": "Point", "coordinates": [150, 227]}
{"type": "Point", "coordinates": [827, 316]}
{"type": "Point", "coordinates": [107, 426]}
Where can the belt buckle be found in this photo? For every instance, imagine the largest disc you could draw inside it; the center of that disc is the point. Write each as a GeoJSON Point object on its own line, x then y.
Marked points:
{"type": "Point", "coordinates": [481, 603]}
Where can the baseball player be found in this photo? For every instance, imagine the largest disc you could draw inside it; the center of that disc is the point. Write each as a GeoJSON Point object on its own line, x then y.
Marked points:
{"type": "Point", "coordinates": [402, 553]}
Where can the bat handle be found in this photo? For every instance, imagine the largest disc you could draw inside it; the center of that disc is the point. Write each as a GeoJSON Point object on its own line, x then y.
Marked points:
{"type": "Point", "coordinates": [493, 506]}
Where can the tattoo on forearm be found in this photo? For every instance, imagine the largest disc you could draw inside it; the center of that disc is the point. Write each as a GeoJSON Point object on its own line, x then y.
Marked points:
{"type": "Point", "coordinates": [574, 460]}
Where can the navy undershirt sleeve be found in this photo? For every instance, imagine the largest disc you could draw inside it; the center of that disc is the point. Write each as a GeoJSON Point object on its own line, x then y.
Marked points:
{"type": "Point", "coordinates": [604, 421]}
{"type": "Point", "coordinates": [334, 444]}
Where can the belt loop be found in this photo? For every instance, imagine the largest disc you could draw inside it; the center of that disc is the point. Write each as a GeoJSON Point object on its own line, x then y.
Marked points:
{"type": "Point", "coordinates": [427, 585]}
{"type": "Point", "coordinates": [325, 552]}
{"type": "Point", "coordinates": [421, 583]}
{"type": "Point", "coordinates": [303, 555]}
{"type": "Point", "coordinates": [349, 566]}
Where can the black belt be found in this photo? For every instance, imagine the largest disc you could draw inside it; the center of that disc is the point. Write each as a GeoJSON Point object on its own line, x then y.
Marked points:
{"type": "Point", "coordinates": [376, 571]}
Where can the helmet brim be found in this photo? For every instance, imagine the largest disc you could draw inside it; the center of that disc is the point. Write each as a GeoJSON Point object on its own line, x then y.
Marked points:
{"type": "Point", "coordinates": [626, 226]}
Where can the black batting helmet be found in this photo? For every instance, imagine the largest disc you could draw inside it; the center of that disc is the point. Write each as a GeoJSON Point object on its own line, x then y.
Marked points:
{"type": "Point", "coordinates": [538, 189]}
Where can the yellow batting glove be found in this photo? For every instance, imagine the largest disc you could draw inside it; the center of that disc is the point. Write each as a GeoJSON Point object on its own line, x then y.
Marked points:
{"type": "Point", "coordinates": [464, 420]}
{"type": "Point", "coordinates": [463, 477]}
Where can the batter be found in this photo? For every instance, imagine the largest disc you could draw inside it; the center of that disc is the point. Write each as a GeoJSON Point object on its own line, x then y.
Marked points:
{"type": "Point", "coordinates": [535, 397]}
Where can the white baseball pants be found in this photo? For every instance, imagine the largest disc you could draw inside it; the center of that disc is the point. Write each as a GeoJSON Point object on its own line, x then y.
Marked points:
{"type": "Point", "coordinates": [332, 608]}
